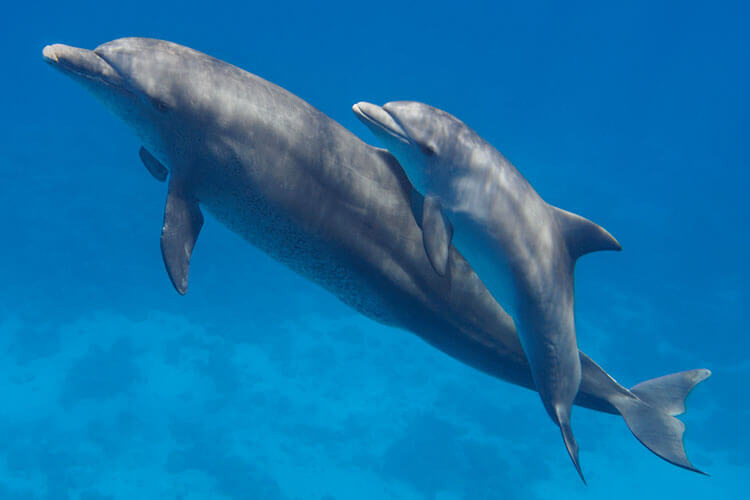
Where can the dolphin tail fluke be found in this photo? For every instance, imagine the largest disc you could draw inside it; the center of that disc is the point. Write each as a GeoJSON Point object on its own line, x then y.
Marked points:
{"type": "Point", "coordinates": [668, 393]}
{"type": "Point", "coordinates": [649, 409]}
{"type": "Point", "coordinates": [563, 420]}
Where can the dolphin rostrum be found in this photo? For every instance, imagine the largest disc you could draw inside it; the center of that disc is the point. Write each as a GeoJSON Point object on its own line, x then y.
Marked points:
{"type": "Point", "coordinates": [337, 211]}
{"type": "Point", "coordinates": [523, 249]}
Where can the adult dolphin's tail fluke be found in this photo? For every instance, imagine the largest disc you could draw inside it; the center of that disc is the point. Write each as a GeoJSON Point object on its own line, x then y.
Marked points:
{"type": "Point", "coordinates": [651, 416]}
{"type": "Point", "coordinates": [649, 409]}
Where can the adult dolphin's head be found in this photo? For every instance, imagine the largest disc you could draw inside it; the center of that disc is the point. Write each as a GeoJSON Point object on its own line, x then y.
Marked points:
{"type": "Point", "coordinates": [143, 81]}
{"type": "Point", "coordinates": [423, 138]}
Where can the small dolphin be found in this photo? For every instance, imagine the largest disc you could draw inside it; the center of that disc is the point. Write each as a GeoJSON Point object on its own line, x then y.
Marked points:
{"type": "Point", "coordinates": [523, 249]}
{"type": "Point", "coordinates": [341, 213]}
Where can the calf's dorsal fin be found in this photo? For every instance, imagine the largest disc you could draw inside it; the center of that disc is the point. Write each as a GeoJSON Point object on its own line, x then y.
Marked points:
{"type": "Point", "coordinates": [583, 236]}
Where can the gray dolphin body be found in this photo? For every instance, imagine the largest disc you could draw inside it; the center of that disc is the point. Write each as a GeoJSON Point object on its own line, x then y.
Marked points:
{"type": "Point", "coordinates": [523, 249]}
{"type": "Point", "coordinates": [309, 193]}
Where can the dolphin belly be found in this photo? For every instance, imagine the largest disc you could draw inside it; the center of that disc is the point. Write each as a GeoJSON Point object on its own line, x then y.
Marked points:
{"type": "Point", "coordinates": [321, 254]}
{"type": "Point", "coordinates": [488, 261]}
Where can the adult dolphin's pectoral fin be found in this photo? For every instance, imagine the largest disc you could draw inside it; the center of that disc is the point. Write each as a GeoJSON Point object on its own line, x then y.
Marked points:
{"type": "Point", "coordinates": [182, 223]}
{"type": "Point", "coordinates": [153, 165]}
{"type": "Point", "coordinates": [437, 233]}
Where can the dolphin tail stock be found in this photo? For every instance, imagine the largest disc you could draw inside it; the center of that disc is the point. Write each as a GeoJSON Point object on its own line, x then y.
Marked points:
{"type": "Point", "coordinates": [649, 410]}
{"type": "Point", "coordinates": [563, 421]}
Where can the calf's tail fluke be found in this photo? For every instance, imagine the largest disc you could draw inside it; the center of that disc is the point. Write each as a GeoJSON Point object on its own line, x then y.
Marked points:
{"type": "Point", "coordinates": [649, 409]}
{"type": "Point", "coordinates": [563, 420]}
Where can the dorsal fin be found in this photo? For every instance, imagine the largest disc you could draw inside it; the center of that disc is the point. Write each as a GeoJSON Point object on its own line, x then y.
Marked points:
{"type": "Point", "coordinates": [583, 236]}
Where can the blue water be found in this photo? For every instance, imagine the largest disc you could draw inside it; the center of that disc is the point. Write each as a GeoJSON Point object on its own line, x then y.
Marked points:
{"type": "Point", "coordinates": [258, 384]}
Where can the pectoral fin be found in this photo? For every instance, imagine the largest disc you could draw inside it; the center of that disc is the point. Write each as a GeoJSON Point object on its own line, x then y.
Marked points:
{"type": "Point", "coordinates": [437, 233]}
{"type": "Point", "coordinates": [153, 165]}
{"type": "Point", "coordinates": [182, 223]}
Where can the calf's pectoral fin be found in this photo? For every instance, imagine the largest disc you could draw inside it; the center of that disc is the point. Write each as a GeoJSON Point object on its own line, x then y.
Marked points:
{"type": "Point", "coordinates": [437, 233]}
{"type": "Point", "coordinates": [153, 165]}
{"type": "Point", "coordinates": [182, 223]}
{"type": "Point", "coordinates": [583, 236]}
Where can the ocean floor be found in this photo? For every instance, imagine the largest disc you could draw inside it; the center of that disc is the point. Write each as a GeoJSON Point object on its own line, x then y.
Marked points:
{"type": "Point", "coordinates": [312, 407]}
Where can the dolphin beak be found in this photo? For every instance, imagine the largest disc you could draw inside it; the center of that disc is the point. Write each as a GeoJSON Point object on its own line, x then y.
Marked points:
{"type": "Point", "coordinates": [81, 63]}
{"type": "Point", "coordinates": [50, 53]}
{"type": "Point", "coordinates": [378, 119]}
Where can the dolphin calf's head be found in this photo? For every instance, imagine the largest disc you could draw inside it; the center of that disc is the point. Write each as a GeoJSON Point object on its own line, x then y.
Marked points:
{"type": "Point", "coordinates": [143, 81]}
{"type": "Point", "coordinates": [423, 138]}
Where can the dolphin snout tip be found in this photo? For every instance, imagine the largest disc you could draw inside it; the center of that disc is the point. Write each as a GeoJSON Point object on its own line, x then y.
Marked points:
{"type": "Point", "coordinates": [377, 118]}
{"type": "Point", "coordinates": [360, 109]}
{"type": "Point", "coordinates": [50, 53]}
{"type": "Point", "coordinates": [80, 63]}
{"type": "Point", "coordinates": [59, 53]}
{"type": "Point", "coordinates": [367, 112]}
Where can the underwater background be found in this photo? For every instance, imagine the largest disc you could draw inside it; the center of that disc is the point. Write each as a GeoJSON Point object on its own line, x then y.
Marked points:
{"type": "Point", "coordinates": [260, 385]}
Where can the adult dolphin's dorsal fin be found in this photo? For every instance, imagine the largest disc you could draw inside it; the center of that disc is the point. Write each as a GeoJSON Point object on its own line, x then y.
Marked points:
{"type": "Point", "coordinates": [437, 233]}
{"type": "Point", "coordinates": [583, 236]}
{"type": "Point", "coordinates": [153, 165]}
{"type": "Point", "coordinates": [182, 223]}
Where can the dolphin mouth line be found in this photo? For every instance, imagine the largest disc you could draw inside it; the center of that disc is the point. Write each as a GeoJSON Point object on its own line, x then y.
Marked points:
{"type": "Point", "coordinates": [379, 117]}
{"type": "Point", "coordinates": [83, 63]}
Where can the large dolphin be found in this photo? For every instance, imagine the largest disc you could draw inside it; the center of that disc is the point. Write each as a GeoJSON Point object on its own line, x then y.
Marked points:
{"type": "Point", "coordinates": [523, 249]}
{"type": "Point", "coordinates": [340, 212]}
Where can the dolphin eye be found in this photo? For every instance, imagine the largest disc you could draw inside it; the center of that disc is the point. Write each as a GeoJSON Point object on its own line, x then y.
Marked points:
{"type": "Point", "coordinates": [427, 149]}
{"type": "Point", "coordinates": [160, 105]}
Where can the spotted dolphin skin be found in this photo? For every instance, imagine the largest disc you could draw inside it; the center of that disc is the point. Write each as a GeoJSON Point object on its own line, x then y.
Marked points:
{"type": "Point", "coordinates": [339, 212]}
{"type": "Point", "coordinates": [523, 249]}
